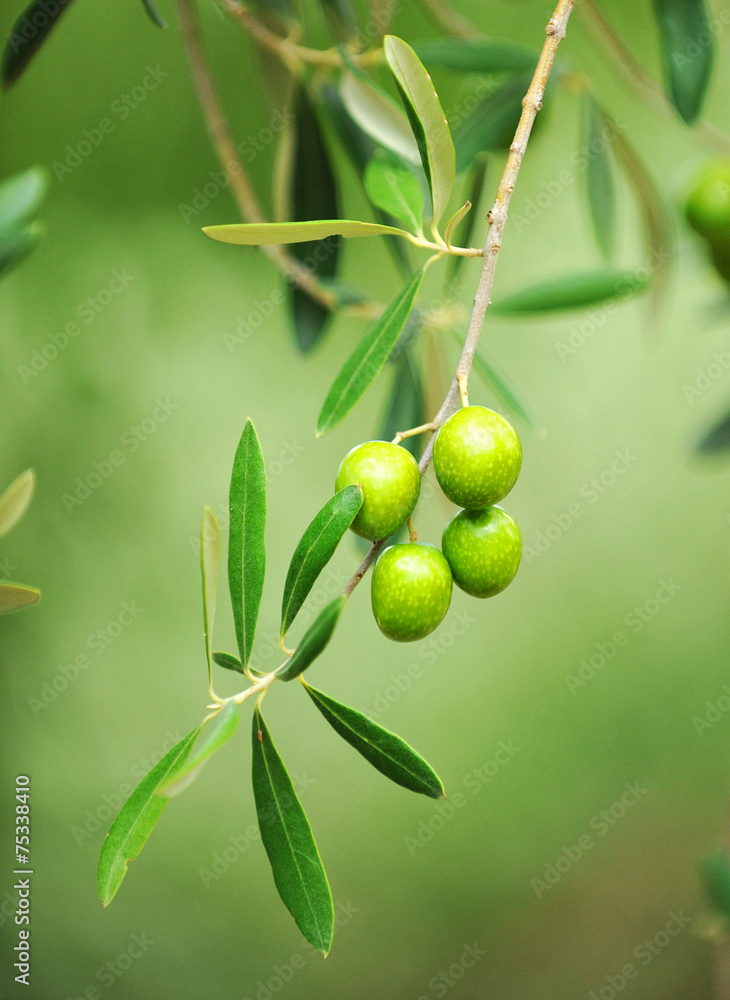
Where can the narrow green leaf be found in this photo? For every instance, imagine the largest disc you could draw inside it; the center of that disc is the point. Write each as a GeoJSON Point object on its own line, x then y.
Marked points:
{"type": "Point", "coordinates": [491, 126]}
{"type": "Point", "coordinates": [395, 189]}
{"type": "Point", "coordinates": [378, 115]}
{"type": "Point", "coordinates": [427, 119]}
{"type": "Point", "coordinates": [17, 246]}
{"type": "Point", "coordinates": [316, 548]}
{"type": "Point", "coordinates": [229, 662]}
{"type": "Point", "coordinates": [287, 837]}
{"type": "Point", "coordinates": [154, 14]}
{"type": "Point", "coordinates": [137, 818]}
{"type": "Point", "coordinates": [387, 752]}
{"type": "Point", "coordinates": [367, 360]}
{"type": "Point", "coordinates": [341, 18]}
{"type": "Point", "coordinates": [688, 51]}
{"type": "Point", "coordinates": [315, 639]}
{"type": "Point", "coordinates": [454, 221]}
{"type": "Point", "coordinates": [27, 35]}
{"type": "Point", "coordinates": [246, 550]}
{"type": "Point", "coordinates": [477, 55]}
{"type": "Point", "coordinates": [14, 501]}
{"type": "Point", "coordinates": [20, 198]}
{"type": "Point", "coordinates": [406, 404]}
{"type": "Point", "coordinates": [15, 596]}
{"type": "Point", "coordinates": [506, 392]}
{"type": "Point", "coordinates": [573, 291]}
{"type": "Point", "coordinates": [210, 564]}
{"type": "Point", "coordinates": [716, 873]}
{"type": "Point", "coordinates": [598, 176]}
{"type": "Point", "coordinates": [717, 440]}
{"type": "Point", "coordinates": [314, 196]}
{"type": "Point", "coordinates": [270, 233]}
{"type": "Point", "coordinates": [220, 734]}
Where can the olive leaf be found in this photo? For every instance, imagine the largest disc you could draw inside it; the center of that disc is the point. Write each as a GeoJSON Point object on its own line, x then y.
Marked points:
{"type": "Point", "coordinates": [716, 874]}
{"type": "Point", "coordinates": [341, 17]}
{"type": "Point", "coordinates": [427, 120]}
{"type": "Point", "coordinates": [16, 596]}
{"type": "Point", "coordinates": [229, 662]}
{"type": "Point", "coordinates": [688, 51]}
{"type": "Point", "coordinates": [387, 752]}
{"type": "Point", "coordinates": [717, 439]}
{"type": "Point", "coordinates": [315, 549]}
{"type": "Point", "coordinates": [17, 246]}
{"type": "Point", "coordinates": [505, 391]}
{"type": "Point", "coordinates": [378, 115]}
{"type": "Point", "coordinates": [367, 360]}
{"type": "Point", "coordinates": [14, 501]}
{"type": "Point", "coordinates": [474, 182]}
{"type": "Point", "coordinates": [395, 189]}
{"type": "Point", "coordinates": [20, 198]}
{"type": "Point", "coordinates": [598, 176]}
{"type": "Point", "coordinates": [137, 818]}
{"type": "Point", "coordinates": [573, 291]}
{"type": "Point", "coordinates": [313, 642]}
{"type": "Point", "coordinates": [154, 14]}
{"type": "Point", "coordinates": [246, 549]}
{"type": "Point", "coordinates": [492, 124]}
{"type": "Point", "coordinates": [270, 233]}
{"type": "Point", "coordinates": [477, 55]}
{"type": "Point", "coordinates": [210, 564]}
{"type": "Point", "coordinates": [454, 221]}
{"type": "Point", "coordinates": [27, 35]}
{"type": "Point", "coordinates": [287, 837]}
{"type": "Point", "coordinates": [406, 404]}
{"type": "Point", "coordinates": [220, 734]}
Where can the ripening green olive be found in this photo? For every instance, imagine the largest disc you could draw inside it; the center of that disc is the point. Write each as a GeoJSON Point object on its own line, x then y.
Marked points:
{"type": "Point", "coordinates": [410, 591]}
{"type": "Point", "coordinates": [483, 549]}
{"type": "Point", "coordinates": [390, 482]}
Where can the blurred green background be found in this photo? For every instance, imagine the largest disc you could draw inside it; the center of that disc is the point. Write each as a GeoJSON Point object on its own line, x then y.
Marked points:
{"type": "Point", "coordinates": [408, 905]}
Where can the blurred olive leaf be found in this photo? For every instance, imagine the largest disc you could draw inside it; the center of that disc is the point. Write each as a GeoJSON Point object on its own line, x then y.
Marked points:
{"type": "Point", "coordinates": [378, 115]}
{"type": "Point", "coordinates": [21, 197]}
{"type": "Point", "coordinates": [454, 221]}
{"type": "Point", "coordinates": [27, 35]}
{"type": "Point", "coordinates": [598, 176]}
{"type": "Point", "coordinates": [16, 596]}
{"type": "Point", "coordinates": [406, 404]}
{"type": "Point", "coordinates": [269, 233]}
{"type": "Point", "coordinates": [387, 752]}
{"type": "Point", "coordinates": [505, 391]}
{"type": "Point", "coordinates": [687, 42]}
{"type": "Point", "coordinates": [154, 14]}
{"type": "Point", "coordinates": [287, 837]}
{"type": "Point", "coordinates": [223, 729]}
{"type": "Point", "coordinates": [315, 549]}
{"type": "Point", "coordinates": [477, 55]}
{"type": "Point", "coordinates": [229, 662]}
{"type": "Point", "coordinates": [315, 639]}
{"type": "Point", "coordinates": [573, 291]}
{"type": "Point", "coordinates": [392, 187]}
{"type": "Point", "coordinates": [492, 124]}
{"type": "Point", "coordinates": [473, 187]}
{"type": "Point", "coordinates": [427, 119]}
{"type": "Point", "coordinates": [15, 248]}
{"type": "Point", "coordinates": [246, 549]}
{"type": "Point", "coordinates": [716, 875]}
{"type": "Point", "coordinates": [367, 360]}
{"type": "Point", "coordinates": [717, 440]}
{"type": "Point", "coordinates": [210, 564]}
{"type": "Point", "coordinates": [137, 818]}
{"type": "Point", "coordinates": [340, 15]}
{"type": "Point", "coordinates": [14, 501]}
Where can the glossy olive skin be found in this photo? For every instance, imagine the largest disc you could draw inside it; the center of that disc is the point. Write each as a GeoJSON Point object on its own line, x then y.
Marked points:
{"type": "Point", "coordinates": [708, 206]}
{"type": "Point", "coordinates": [483, 549]}
{"type": "Point", "coordinates": [477, 457]}
{"type": "Point", "coordinates": [410, 591]}
{"type": "Point", "coordinates": [391, 483]}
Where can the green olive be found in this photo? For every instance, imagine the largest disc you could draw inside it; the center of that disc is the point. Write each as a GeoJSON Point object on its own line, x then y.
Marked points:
{"type": "Point", "coordinates": [410, 591]}
{"type": "Point", "coordinates": [390, 481]}
{"type": "Point", "coordinates": [483, 549]}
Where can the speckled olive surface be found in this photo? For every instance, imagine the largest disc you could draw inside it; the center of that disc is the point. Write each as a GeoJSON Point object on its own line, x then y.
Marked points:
{"type": "Point", "coordinates": [390, 483]}
{"type": "Point", "coordinates": [483, 549]}
{"type": "Point", "coordinates": [477, 457]}
{"type": "Point", "coordinates": [410, 591]}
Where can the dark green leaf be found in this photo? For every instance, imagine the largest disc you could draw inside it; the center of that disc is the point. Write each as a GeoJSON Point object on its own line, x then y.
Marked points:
{"type": "Point", "coordinates": [316, 548]}
{"type": "Point", "coordinates": [287, 837]}
{"type": "Point", "coordinates": [314, 640]}
{"type": "Point", "coordinates": [392, 187]}
{"type": "Point", "coordinates": [314, 196]}
{"type": "Point", "coordinates": [599, 179]}
{"type": "Point", "coordinates": [716, 872]}
{"type": "Point", "coordinates": [28, 34]}
{"type": "Point", "coordinates": [717, 440]}
{"type": "Point", "coordinates": [220, 734]}
{"type": "Point", "coordinates": [477, 55]}
{"type": "Point", "coordinates": [688, 50]}
{"type": "Point", "coordinates": [492, 124]}
{"type": "Point", "coordinates": [387, 752]}
{"type": "Point", "coordinates": [406, 405]}
{"type": "Point", "coordinates": [367, 360]}
{"type": "Point", "coordinates": [16, 248]}
{"type": "Point", "coordinates": [574, 291]}
{"type": "Point", "coordinates": [505, 391]}
{"type": "Point", "coordinates": [246, 550]}
{"type": "Point", "coordinates": [15, 596]}
{"type": "Point", "coordinates": [229, 662]}
{"type": "Point", "coordinates": [154, 14]}
{"type": "Point", "coordinates": [137, 819]}
{"type": "Point", "coordinates": [341, 18]}
{"type": "Point", "coordinates": [20, 198]}
{"type": "Point", "coordinates": [427, 120]}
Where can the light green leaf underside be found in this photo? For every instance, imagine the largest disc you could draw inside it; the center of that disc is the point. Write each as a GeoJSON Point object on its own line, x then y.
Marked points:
{"type": "Point", "coordinates": [222, 730]}
{"type": "Point", "coordinates": [379, 116]}
{"type": "Point", "coordinates": [16, 596]}
{"type": "Point", "coordinates": [14, 501]}
{"type": "Point", "coordinates": [274, 233]}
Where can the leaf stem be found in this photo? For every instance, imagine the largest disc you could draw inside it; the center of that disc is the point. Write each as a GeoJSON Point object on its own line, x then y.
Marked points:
{"type": "Point", "coordinates": [421, 429]}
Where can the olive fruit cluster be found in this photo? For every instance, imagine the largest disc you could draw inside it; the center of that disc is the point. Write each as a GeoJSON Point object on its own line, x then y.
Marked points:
{"type": "Point", "coordinates": [708, 212]}
{"type": "Point", "coordinates": [477, 458]}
